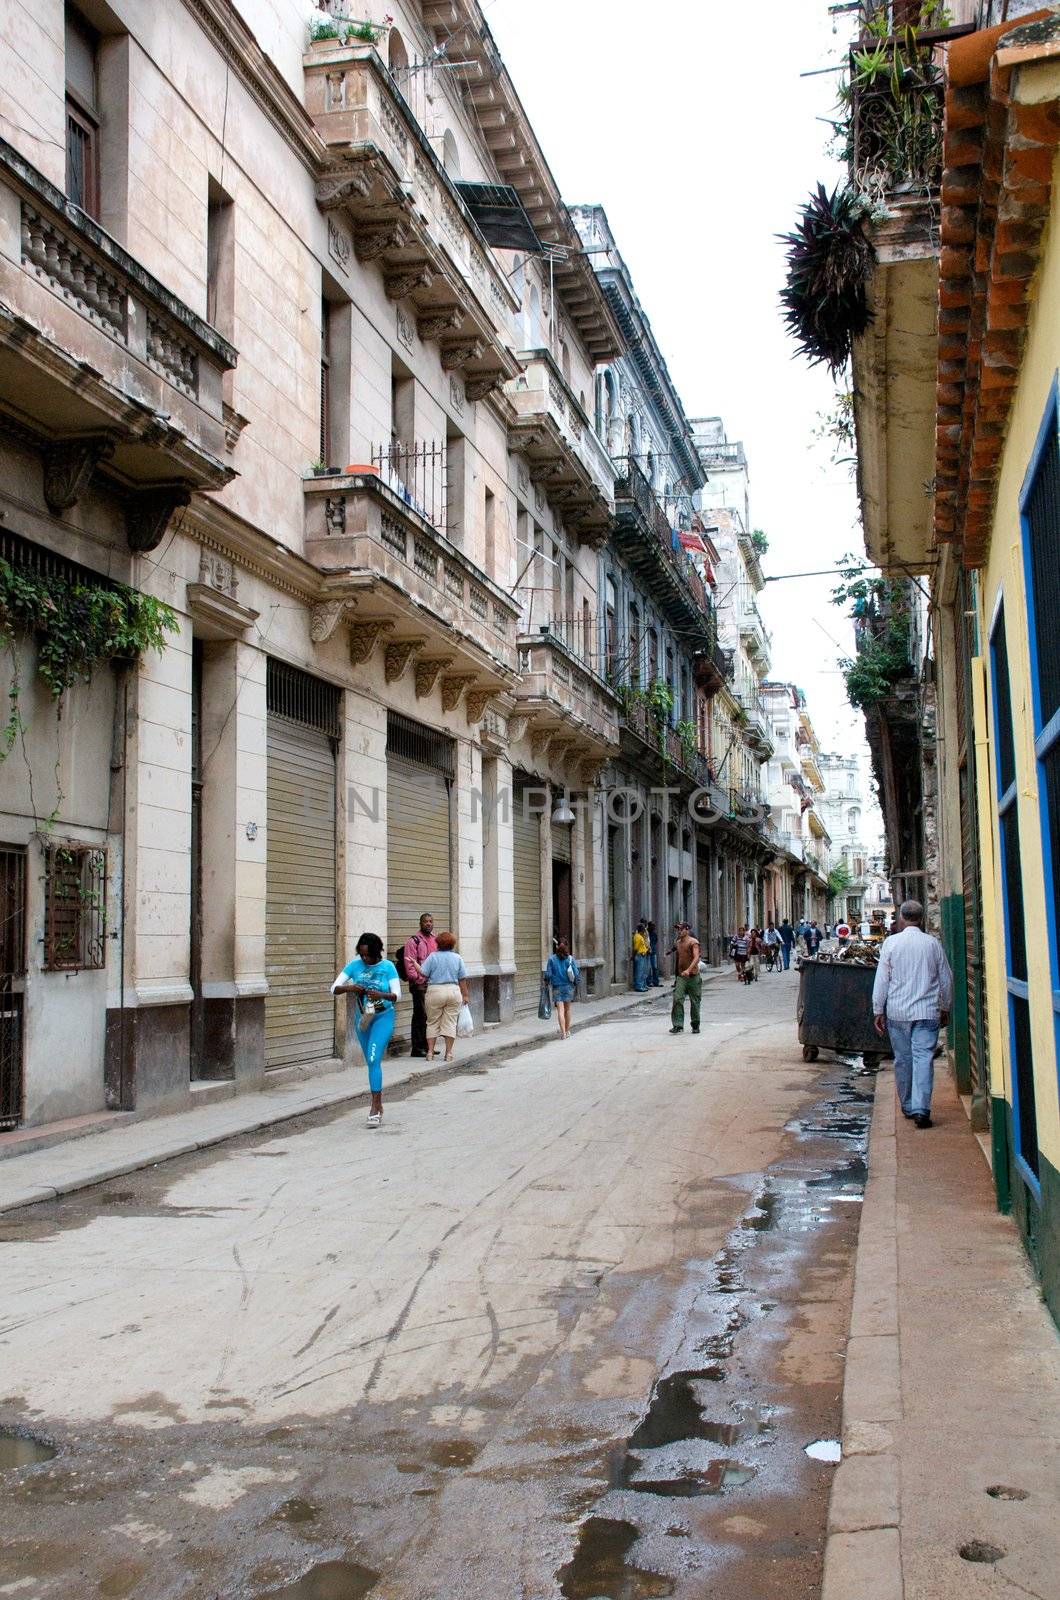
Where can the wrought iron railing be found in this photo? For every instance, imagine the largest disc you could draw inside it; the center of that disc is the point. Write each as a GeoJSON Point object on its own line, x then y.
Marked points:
{"type": "Point", "coordinates": [417, 475]}
{"type": "Point", "coordinates": [633, 485]}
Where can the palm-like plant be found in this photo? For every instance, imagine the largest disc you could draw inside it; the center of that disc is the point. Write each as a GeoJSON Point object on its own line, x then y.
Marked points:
{"type": "Point", "coordinates": [830, 260]}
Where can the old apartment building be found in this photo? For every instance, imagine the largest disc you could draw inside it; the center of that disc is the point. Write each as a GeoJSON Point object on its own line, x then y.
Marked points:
{"type": "Point", "coordinates": [388, 523]}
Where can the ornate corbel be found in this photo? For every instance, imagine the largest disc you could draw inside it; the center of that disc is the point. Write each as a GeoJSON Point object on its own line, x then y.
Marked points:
{"type": "Point", "coordinates": [371, 239]}
{"type": "Point", "coordinates": [398, 654]}
{"type": "Point", "coordinates": [69, 464]}
{"type": "Point", "coordinates": [539, 742]}
{"type": "Point", "coordinates": [428, 669]}
{"type": "Point", "coordinates": [560, 749]}
{"type": "Point", "coordinates": [541, 471]}
{"type": "Point", "coordinates": [475, 703]}
{"type": "Point", "coordinates": [147, 514]}
{"type": "Point", "coordinates": [324, 619]}
{"type": "Point", "coordinates": [334, 189]}
{"type": "Point", "coordinates": [399, 285]}
{"type": "Point", "coordinates": [453, 687]}
{"type": "Point", "coordinates": [482, 384]}
{"type": "Point", "coordinates": [458, 355]}
{"type": "Point", "coordinates": [517, 726]}
{"type": "Point", "coordinates": [438, 323]}
{"type": "Point", "coordinates": [364, 636]}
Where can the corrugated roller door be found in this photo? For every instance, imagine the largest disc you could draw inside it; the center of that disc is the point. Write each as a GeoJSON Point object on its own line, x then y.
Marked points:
{"type": "Point", "coordinates": [300, 906]}
{"type": "Point", "coordinates": [561, 842]}
{"type": "Point", "coordinates": [418, 865]}
{"type": "Point", "coordinates": [526, 863]}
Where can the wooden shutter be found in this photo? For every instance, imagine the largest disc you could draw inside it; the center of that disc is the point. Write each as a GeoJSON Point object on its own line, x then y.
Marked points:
{"type": "Point", "coordinates": [526, 850]}
{"type": "Point", "coordinates": [300, 907]}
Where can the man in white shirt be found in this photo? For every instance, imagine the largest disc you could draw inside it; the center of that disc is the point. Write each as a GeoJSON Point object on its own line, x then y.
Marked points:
{"type": "Point", "coordinates": [914, 991]}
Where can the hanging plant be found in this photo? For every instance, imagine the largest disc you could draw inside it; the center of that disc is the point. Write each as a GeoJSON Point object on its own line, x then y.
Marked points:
{"type": "Point", "coordinates": [660, 699]}
{"type": "Point", "coordinates": [78, 628]}
{"type": "Point", "coordinates": [830, 261]}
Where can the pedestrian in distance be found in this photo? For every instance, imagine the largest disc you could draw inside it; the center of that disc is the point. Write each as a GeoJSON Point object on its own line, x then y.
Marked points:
{"type": "Point", "coordinates": [641, 953]}
{"type": "Point", "coordinates": [911, 1000]}
{"type": "Point", "coordinates": [739, 949]}
{"type": "Point", "coordinates": [413, 954]}
{"type": "Point", "coordinates": [687, 981]}
{"type": "Point", "coordinates": [654, 979]}
{"type": "Point", "coordinates": [376, 989]}
{"type": "Point", "coordinates": [446, 977]}
{"type": "Point", "coordinates": [801, 930]}
{"type": "Point", "coordinates": [813, 939]}
{"type": "Point", "coordinates": [771, 946]}
{"type": "Point", "coordinates": [754, 954]}
{"type": "Point", "coordinates": [787, 940]}
{"type": "Point", "coordinates": [563, 977]}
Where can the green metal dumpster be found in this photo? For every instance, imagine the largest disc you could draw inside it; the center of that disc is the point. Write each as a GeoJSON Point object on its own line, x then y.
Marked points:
{"type": "Point", "coordinates": [835, 1011]}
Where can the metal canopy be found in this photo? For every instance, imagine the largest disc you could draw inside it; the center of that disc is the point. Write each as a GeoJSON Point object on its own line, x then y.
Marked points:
{"type": "Point", "coordinates": [499, 215]}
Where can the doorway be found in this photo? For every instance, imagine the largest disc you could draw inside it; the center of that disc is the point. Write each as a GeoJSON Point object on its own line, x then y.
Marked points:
{"type": "Point", "coordinates": [561, 900]}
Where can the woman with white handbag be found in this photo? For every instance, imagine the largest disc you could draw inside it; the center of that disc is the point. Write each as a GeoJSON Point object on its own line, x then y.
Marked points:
{"type": "Point", "coordinates": [447, 996]}
{"type": "Point", "coordinates": [562, 975]}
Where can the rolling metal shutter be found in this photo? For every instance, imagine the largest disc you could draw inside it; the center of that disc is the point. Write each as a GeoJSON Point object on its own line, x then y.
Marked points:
{"type": "Point", "coordinates": [526, 864]}
{"type": "Point", "coordinates": [420, 766]}
{"type": "Point", "coordinates": [301, 934]}
{"type": "Point", "coordinates": [561, 842]}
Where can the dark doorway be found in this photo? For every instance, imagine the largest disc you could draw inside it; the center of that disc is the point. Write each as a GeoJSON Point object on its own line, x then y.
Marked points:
{"type": "Point", "coordinates": [197, 1065]}
{"type": "Point", "coordinates": [561, 900]}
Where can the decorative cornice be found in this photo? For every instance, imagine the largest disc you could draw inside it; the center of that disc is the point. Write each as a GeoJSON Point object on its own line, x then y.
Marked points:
{"type": "Point", "coordinates": [222, 22]}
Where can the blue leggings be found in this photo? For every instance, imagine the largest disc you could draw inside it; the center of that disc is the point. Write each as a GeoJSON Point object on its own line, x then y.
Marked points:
{"type": "Point", "coordinates": [373, 1042]}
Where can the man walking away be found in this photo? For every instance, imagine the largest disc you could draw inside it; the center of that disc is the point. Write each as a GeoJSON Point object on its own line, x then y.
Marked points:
{"type": "Point", "coordinates": [414, 954]}
{"type": "Point", "coordinates": [641, 950]}
{"type": "Point", "coordinates": [688, 981]}
{"type": "Point", "coordinates": [914, 992]}
{"type": "Point", "coordinates": [787, 940]}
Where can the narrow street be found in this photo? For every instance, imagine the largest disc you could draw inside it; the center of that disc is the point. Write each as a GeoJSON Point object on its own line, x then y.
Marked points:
{"type": "Point", "coordinates": [563, 1326]}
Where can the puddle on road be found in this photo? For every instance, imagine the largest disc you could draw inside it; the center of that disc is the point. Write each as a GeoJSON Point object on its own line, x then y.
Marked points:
{"type": "Point", "coordinates": [1003, 1491]}
{"type": "Point", "coordinates": [824, 1450]}
{"type": "Point", "coordinates": [453, 1453]}
{"type": "Point", "coordinates": [714, 1478]}
{"type": "Point", "coordinates": [979, 1550]}
{"type": "Point", "coordinates": [676, 1414]}
{"type": "Point", "coordinates": [329, 1580]}
{"type": "Point", "coordinates": [295, 1511]}
{"type": "Point", "coordinates": [598, 1570]}
{"type": "Point", "coordinates": [23, 1450]}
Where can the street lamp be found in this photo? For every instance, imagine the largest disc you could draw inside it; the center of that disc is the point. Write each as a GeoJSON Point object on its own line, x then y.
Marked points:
{"type": "Point", "coordinates": [562, 814]}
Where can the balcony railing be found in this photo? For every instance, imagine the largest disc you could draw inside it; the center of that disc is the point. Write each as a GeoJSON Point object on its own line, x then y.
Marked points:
{"type": "Point", "coordinates": [896, 118]}
{"type": "Point", "coordinates": [556, 436]}
{"type": "Point", "coordinates": [635, 500]}
{"type": "Point", "coordinates": [564, 695]}
{"type": "Point", "coordinates": [417, 475]}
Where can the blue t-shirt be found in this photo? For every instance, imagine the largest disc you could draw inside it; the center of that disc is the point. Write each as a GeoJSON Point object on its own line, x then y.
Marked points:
{"type": "Point", "coordinates": [444, 966]}
{"type": "Point", "coordinates": [384, 975]}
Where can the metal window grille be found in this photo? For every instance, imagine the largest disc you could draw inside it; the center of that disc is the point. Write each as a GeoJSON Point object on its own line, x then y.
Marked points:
{"type": "Point", "coordinates": [417, 474]}
{"type": "Point", "coordinates": [298, 696]}
{"type": "Point", "coordinates": [414, 742]}
{"type": "Point", "coordinates": [12, 970]}
{"type": "Point", "coordinates": [75, 912]}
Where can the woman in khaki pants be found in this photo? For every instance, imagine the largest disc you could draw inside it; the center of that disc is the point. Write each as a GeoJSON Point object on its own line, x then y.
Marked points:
{"type": "Point", "coordinates": [446, 991]}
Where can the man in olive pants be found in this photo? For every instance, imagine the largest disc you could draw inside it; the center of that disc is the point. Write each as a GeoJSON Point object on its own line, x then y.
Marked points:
{"type": "Point", "coordinates": [688, 981]}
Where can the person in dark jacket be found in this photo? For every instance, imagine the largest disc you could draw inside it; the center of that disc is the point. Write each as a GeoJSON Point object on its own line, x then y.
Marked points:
{"type": "Point", "coordinates": [654, 980]}
{"type": "Point", "coordinates": [787, 941]}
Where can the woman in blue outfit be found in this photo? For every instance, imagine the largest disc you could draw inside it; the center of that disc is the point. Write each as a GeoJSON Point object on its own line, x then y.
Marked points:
{"type": "Point", "coordinates": [376, 990]}
{"type": "Point", "coordinates": [562, 974]}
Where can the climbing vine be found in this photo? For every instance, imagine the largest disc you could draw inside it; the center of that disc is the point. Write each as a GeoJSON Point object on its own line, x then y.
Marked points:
{"type": "Point", "coordinates": [880, 609]}
{"type": "Point", "coordinates": [78, 627]}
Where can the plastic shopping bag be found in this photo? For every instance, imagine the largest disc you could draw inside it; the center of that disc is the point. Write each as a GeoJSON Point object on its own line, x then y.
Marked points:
{"type": "Point", "coordinates": [544, 1005]}
{"type": "Point", "coordinates": [464, 1025]}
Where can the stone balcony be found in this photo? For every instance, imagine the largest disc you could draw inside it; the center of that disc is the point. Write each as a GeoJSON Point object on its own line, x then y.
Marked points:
{"type": "Point", "coordinates": [757, 640]}
{"type": "Point", "coordinates": [643, 535]}
{"type": "Point", "coordinates": [383, 180]}
{"type": "Point", "coordinates": [569, 709]}
{"type": "Point", "coordinates": [562, 452]}
{"type": "Point", "coordinates": [756, 726]}
{"type": "Point", "coordinates": [395, 580]}
{"type": "Point", "coordinates": [109, 369]}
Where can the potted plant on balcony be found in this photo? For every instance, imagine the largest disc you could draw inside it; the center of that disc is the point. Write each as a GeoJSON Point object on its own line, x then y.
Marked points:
{"type": "Point", "coordinates": [686, 732]}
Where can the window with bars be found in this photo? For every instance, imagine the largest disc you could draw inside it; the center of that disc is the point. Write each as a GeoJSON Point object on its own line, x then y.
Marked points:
{"type": "Point", "coordinates": [325, 382]}
{"type": "Point", "coordinates": [82, 113]}
{"type": "Point", "coordinates": [75, 912]}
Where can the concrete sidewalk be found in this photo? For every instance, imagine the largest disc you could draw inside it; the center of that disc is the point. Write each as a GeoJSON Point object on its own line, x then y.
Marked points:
{"type": "Point", "coordinates": [952, 1385]}
{"type": "Point", "coordinates": [97, 1149]}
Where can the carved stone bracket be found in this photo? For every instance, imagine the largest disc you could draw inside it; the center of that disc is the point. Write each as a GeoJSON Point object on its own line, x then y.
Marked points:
{"type": "Point", "coordinates": [364, 636]}
{"type": "Point", "coordinates": [517, 726]}
{"type": "Point", "coordinates": [539, 742]}
{"type": "Point", "coordinates": [483, 384]}
{"type": "Point", "coordinates": [398, 285]}
{"type": "Point", "coordinates": [335, 513]}
{"type": "Point", "coordinates": [540, 471]}
{"type": "Point", "coordinates": [69, 464]}
{"type": "Point", "coordinates": [373, 238]}
{"type": "Point", "coordinates": [335, 188]}
{"type": "Point", "coordinates": [560, 749]}
{"type": "Point", "coordinates": [439, 323]}
{"type": "Point", "coordinates": [428, 669]}
{"type": "Point", "coordinates": [453, 688]}
{"type": "Point", "coordinates": [458, 355]}
{"type": "Point", "coordinates": [398, 654]}
{"type": "Point", "coordinates": [475, 703]}
{"type": "Point", "coordinates": [324, 619]}
{"type": "Point", "coordinates": [147, 514]}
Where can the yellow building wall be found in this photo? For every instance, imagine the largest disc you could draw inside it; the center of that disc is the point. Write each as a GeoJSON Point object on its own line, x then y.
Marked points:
{"type": "Point", "coordinates": [1003, 574]}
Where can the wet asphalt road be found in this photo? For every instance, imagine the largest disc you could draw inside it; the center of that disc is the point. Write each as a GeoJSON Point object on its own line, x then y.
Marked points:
{"type": "Point", "coordinates": [562, 1327]}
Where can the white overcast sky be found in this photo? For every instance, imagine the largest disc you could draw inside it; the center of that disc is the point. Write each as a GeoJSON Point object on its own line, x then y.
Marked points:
{"type": "Point", "coordinates": [691, 125]}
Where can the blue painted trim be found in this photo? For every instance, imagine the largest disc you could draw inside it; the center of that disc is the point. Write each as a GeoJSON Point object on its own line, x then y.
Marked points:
{"type": "Point", "coordinates": [1045, 736]}
{"type": "Point", "coordinates": [1018, 987]}
{"type": "Point", "coordinates": [1033, 1183]}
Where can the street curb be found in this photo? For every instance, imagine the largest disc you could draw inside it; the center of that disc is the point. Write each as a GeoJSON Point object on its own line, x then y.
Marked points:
{"type": "Point", "coordinates": [863, 1559]}
{"type": "Point", "coordinates": [179, 1144]}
